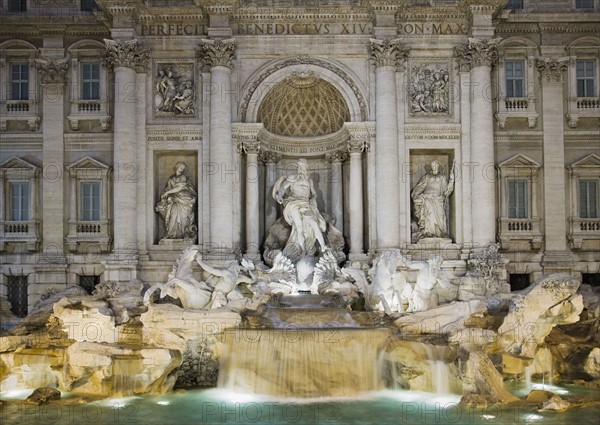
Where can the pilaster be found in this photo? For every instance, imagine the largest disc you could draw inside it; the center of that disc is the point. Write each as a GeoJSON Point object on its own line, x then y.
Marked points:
{"type": "Point", "coordinates": [387, 56]}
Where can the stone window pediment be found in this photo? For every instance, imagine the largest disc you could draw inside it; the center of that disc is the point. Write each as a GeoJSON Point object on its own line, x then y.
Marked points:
{"type": "Point", "coordinates": [88, 102]}
{"type": "Point", "coordinates": [584, 227]}
{"type": "Point", "coordinates": [19, 223]}
{"type": "Point", "coordinates": [89, 232]}
{"type": "Point", "coordinates": [303, 106]}
{"type": "Point", "coordinates": [18, 106]}
{"type": "Point", "coordinates": [519, 218]}
{"type": "Point", "coordinates": [585, 56]}
{"type": "Point", "coordinates": [516, 65]}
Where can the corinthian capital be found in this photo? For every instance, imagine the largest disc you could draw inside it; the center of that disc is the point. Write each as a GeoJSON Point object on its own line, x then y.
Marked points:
{"type": "Point", "coordinates": [217, 53]}
{"type": "Point", "coordinates": [249, 147]}
{"type": "Point", "coordinates": [387, 53]}
{"type": "Point", "coordinates": [552, 69]}
{"type": "Point", "coordinates": [478, 52]}
{"type": "Point", "coordinates": [126, 53]}
{"type": "Point", "coordinates": [52, 71]}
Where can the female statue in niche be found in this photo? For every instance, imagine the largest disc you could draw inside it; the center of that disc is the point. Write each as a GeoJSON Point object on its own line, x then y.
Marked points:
{"type": "Point", "coordinates": [430, 197]}
{"type": "Point", "coordinates": [176, 205]}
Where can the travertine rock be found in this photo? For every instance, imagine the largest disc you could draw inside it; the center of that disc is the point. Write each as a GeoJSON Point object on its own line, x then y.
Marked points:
{"type": "Point", "coordinates": [446, 319]}
{"type": "Point", "coordinates": [44, 395]}
{"type": "Point", "coordinates": [591, 365]}
{"type": "Point", "coordinates": [533, 313]}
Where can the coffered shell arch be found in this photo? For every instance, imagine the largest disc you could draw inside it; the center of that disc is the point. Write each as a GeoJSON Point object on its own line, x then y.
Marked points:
{"type": "Point", "coordinates": [273, 73]}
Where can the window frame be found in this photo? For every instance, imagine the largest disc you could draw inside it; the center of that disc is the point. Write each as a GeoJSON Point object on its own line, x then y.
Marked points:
{"type": "Point", "coordinates": [513, 79]}
{"type": "Point", "coordinates": [11, 200]}
{"type": "Point", "coordinates": [584, 233]}
{"type": "Point", "coordinates": [586, 79]}
{"type": "Point", "coordinates": [525, 209]}
{"type": "Point", "coordinates": [24, 6]}
{"type": "Point", "coordinates": [85, 52]}
{"type": "Point", "coordinates": [583, 49]}
{"type": "Point", "coordinates": [18, 52]}
{"type": "Point", "coordinates": [82, 201]}
{"type": "Point", "coordinates": [84, 232]}
{"type": "Point", "coordinates": [596, 203]}
{"type": "Point", "coordinates": [513, 231]}
{"type": "Point", "coordinates": [25, 232]}
{"type": "Point", "coordinates": [84, 90]}
{"type": "Point", "coordinates": [20, 81]}
{"type": "Point", "coordinates": [576, 7]}
{"type": "Point", "coordinates": [512, 50]}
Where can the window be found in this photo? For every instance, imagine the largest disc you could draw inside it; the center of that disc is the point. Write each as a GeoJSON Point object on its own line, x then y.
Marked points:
{"type": "Point", "coordinates": [90, 81]}
{"type": "Point", "coordinates": [585, 74]}
{"type": "Point", "coordinates": [518, 281]}
{"type": "Point", "coordinates": [592, 279]}
{"type": "Point", "coordinates": [89, 283]}
{"type": "Point", "coordinates": [514, 78]}
{"type": "Point", "coordinates": [90, 201]}
{"type": "Point", "coordinates": [517, 199]}
{"type": "Point", "coordinates": [514, 4]}
{"type": "Point", "coordinates": [19, 73]}
{"type": "Point", "coordinates": [17, 295]}
{"type": "Point", "coordinates": [584, 4]}
{"type": "Point", "coordinates": [17, 5]}
{"type": "Point", "coordinates": [19, 201]}
{"type": "Point", "coordinates": [588, 199]}
{"type": "Point", "coordinates": [88, 5]}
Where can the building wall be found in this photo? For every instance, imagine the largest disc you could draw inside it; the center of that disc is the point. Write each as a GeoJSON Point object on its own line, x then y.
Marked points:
{"type": "Point", "coordinates": [269, 41]}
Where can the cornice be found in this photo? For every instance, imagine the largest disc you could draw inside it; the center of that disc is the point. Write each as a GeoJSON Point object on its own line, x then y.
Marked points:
{"type": "Point", "coordinates": [248, 16]}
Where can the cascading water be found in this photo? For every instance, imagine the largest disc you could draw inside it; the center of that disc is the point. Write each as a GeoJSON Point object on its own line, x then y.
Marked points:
{"type": "Point", "coordinates": [303, 362]}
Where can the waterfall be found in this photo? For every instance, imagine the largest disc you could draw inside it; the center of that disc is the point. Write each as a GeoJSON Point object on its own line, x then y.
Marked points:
{"type": "Point", "coordinates": [528, 376]}
{"type": "Point", "coordinates": [438, 368]}
{"type": "Point", "coordinates": [302, 362]}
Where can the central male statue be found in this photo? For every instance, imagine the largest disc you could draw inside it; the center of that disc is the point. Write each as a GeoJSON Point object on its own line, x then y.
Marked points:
{"type": "Point", "coordinates": [297, 195]}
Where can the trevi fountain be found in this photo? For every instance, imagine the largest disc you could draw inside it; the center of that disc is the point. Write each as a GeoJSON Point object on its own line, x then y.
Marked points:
{"type": "Point", "coordinates": [299, 212]}
{"type": "Point", "coordinates": [303, 335]}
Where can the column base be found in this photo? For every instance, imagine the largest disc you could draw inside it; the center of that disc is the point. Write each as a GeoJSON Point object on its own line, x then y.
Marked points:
{"type": "Point", "coordinates": [358, 256]}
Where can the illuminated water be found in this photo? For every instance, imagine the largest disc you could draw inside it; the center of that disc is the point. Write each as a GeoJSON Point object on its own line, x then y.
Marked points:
{"type": "Point", "coordinates": [224, 407]}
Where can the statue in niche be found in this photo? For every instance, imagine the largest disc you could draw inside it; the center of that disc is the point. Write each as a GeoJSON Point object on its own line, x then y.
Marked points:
{"type": "Point", "coordinates": [430, 198]}
{"type": "Point", "coordinates": [302, 231]}
{"type": "Point", "coordinates": [430, 89]}
{"type": "Point", "coordinates": [176, 206]}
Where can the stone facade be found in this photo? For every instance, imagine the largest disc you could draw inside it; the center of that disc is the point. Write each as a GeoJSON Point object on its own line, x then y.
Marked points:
{"type": "Point", "coordinates": [97, 107]}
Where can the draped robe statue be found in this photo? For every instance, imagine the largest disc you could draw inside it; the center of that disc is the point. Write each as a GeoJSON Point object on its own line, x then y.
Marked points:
{"type": "Point", "coordinates": [430, 197]}
{"type": "Point", "coordinates": [176, 205]}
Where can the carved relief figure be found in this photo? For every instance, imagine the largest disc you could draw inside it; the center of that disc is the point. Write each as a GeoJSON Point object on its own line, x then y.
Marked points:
{"type": "Point", "coordinates": [175, 90]}
{"type": "Point", "coordinates": [430, 89]}
{"type": "Point", "coordinates": [297, 195]}
{"type": "Point", "coordinates": [430, 197]}
{"type": "Point", "coordinates": [176, 205]}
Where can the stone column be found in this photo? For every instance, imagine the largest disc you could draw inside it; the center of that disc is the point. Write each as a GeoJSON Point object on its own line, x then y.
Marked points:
{"type": "Point", "coordinates": [387, 56]}
{"type": "Point", "coordinates": [552, 71]}
{"type": "Point", "coordinates": [270, 159]}
{"type": "Point", "coordinates": [479, 55]}
{"type": "Point", "coordinates": [337, 195]}
{"type": "Point", "coordinates": [53, 73]}
{"type": "Point", "coordinates": [355, 194]}
{"type": "Point", "coordinates": [219, 57]}
{"type": "Point", "coordinates": [251, 149]}
{"type": "Point", "coordinates": [125, 57]}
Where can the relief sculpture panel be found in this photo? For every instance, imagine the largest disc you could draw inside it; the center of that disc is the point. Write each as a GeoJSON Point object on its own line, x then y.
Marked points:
{"type": "Point", "coordinates": [429, 89]}
{"type": "Point", "coordinates": [174, 90]}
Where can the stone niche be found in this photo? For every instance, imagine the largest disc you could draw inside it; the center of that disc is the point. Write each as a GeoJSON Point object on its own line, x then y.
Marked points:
{"type": "Point", "coordinates": [420, 164]}
{"type": "Point", "coordinates": [164, 167]}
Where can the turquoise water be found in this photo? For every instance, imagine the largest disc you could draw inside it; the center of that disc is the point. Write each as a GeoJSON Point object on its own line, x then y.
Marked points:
{"type": "Point", "coordinates": [222, 407]}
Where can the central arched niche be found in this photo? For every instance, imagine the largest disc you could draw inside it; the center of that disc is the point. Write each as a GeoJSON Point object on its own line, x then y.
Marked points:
{"type": "Point", "coordinates": [303, 105]}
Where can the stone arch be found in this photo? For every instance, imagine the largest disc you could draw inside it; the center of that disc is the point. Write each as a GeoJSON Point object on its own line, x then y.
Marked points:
{"type": "Point", "coordinates": [587, 44]}
{"type": "Point", "coordinates": [263, 80]}
{"type": "Point", "coordinates": [17, 45]}
{"type": "Point", "coordinates": [303, 105]}
{"type": "Point", "coordinates": [517, 42]}
{"type": "Point", "coordinates": [87, 44]}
